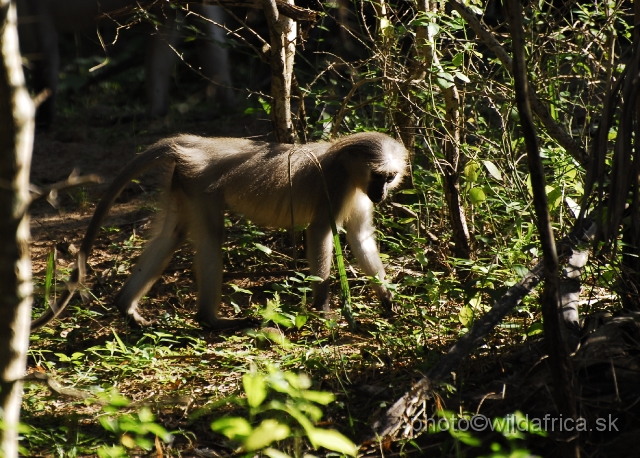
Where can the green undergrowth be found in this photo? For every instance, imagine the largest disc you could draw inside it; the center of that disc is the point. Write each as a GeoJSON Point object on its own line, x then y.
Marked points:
{"type": "Point", "coordinates": [162, 388]}
{"type": "Point", "coordinates": [302, 383]}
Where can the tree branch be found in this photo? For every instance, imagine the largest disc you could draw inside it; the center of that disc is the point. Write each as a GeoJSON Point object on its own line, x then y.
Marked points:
{"type": "Point", "coordinates": [51, 192]}
{"type": "Point", "coordinates": [554, 129]}
{"type": "Point", "coordinates": [291, 11]}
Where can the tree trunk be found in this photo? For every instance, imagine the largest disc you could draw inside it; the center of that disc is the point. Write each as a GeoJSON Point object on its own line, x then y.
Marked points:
{"type": "Point", "coordinates": [282, 33]}
{"type": "Point", "coordinates": [16, 142]}
{"type": "Point", "coordinates": [461, 238]}
{"type": "Point", "coordinates": [554, 335]}
{"type": "Point", "coordinates": [425, 52]}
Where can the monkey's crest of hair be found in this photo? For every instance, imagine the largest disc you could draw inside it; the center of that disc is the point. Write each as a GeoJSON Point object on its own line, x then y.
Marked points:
{"type": "Point", "coordinates": [382, 153]}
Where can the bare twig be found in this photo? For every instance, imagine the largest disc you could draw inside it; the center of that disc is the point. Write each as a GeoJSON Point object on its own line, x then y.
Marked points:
{"type": "Point", "coordinates": [554, 129]}
{"type": "Point", "coordinates": [291, 11]}
{"type": "Point", "coordinates": [59, 389]}
{"type": "Point", "coordinates": [51, 192]}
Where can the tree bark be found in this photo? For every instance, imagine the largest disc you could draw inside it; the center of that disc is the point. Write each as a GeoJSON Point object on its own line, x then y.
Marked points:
{"type": "Point", "coordinates": [16, 142]}
{"type": "Point", "coordinates": [425, 49]}
{"type": "Point", "coordinates": [282, 33]}
{"type": "Point", "coordinates": [553, 330]}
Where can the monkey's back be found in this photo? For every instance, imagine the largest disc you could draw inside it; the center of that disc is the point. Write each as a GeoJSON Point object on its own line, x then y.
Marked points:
{"type": "Point", "coordinates": [253, 177]}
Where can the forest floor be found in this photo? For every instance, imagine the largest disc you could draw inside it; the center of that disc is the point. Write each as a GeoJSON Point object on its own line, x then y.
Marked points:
{"type": "Point", "coordinates": [189, 376]}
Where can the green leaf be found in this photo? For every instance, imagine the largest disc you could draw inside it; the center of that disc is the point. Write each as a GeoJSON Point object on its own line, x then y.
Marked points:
{"type": "Point", "coordinates": [462, 77]}
{"type": "Point", "coordinates": [471, 171]}
{"type": "Point", "coordinates": [465, 315]}
{"type": "Point", "coordinates": [278, 338]}
{"type": "Point", "coordinates": [554, 196]}
{"type": "Point", "coordinates": [301, 320]}
{"type": "Point", "coordinates": [299, 381]}
{"type": "Point", "coordinates": [51, 264]}
{"type": "Point", "coordinates": [520, 270]}
{"type": "Point", "coordinates": [433, 29]}
{"type": "Point", "coordinates": [444, 80]}
{"type": "Point", "coordinates": [477, 196]}
{"type": "Point", "coordinates": [159, 431]}
{"type": "Point", "coordinates": [263, 248]}
{"type": "Point", "coordinates": [145, 415]}
{"type": "Point", "coordinates": [475, 302]}
{"type": "Point", "coordinates": [266, 106]}
{"type": "Point", "coordinates": [493, 170]}
{"type": "Point", "coordinates": [114, 399]}
{"type": "Point", "coordinates": [121, 344]}
{"type": "Point", "coordinates": [109, 424]}
{"type": "Point", "coordinates": [458, 59]}
{"type": "Point", "coordinates": [269, 431]}
{"type": "Point", "coordinates": [466, 438]}
{"type": "Point", "coordinates": [345, 294]}
{"type": "Point", "coordinates": [332, 440]}
{"type": "Point", "coordinates": [235, 428]}
{"type": "Point", "coordinates": [319, 397]}
{"type": "Point", "coordinates": [535, 329]}
{"type": "Point", "coordinates": [255, 387]}
{"type": "Point", "coordinates": [273, 453]}
{"type": "Point", "coordinates": [114, 451]}
{"type": "Point", "coordinates": [237, 289]}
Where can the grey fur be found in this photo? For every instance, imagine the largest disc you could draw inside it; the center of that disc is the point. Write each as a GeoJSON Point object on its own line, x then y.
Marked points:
{"type": "Point", "coordinates": [210, 175]}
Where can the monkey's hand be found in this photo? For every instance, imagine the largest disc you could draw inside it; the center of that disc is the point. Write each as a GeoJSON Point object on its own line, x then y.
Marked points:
{"type": "Point", "coordinates": [220, 324]}
{"type": "Point", "coordinates": [135, 320]}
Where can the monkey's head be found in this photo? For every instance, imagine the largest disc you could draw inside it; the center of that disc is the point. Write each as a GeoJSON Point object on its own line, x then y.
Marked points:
{"type": "Point", "coordinates": [376, 162]}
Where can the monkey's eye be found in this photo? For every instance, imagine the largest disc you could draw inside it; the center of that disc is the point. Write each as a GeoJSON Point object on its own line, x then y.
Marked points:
{"type": "Point", "coordinates": [391, 177]}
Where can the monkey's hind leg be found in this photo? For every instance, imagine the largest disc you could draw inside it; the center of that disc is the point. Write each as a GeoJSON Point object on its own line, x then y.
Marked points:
{"type": "Point", "coordinates": [319, 251]}
{"type": "Point", "coordinates": [149, 267]}
{"type": "Point", "coordinates": [207, 231]}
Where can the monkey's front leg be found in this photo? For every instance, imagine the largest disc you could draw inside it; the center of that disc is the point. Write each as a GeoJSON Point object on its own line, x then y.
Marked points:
{"type": "Point", "coordinates": [361, 240]}
{"type": "Point", "coordinates": [319, 251]}
{"type": "Point", "coordinates": [208, 233]}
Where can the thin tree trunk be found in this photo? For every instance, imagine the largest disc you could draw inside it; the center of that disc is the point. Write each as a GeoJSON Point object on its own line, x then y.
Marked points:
{"type": "Point", "coordinates": [425, 50]}
{"type": "Point", "coordinates": [283, 33]}
{"type": "Point", "coordinates": [16, 142]}
{"type": "Point", "coordinates": [570, 282]}
{"type": "Point", "coordinates": [630, 278]}
{"type": "Point", "coordinates": [553, 330]}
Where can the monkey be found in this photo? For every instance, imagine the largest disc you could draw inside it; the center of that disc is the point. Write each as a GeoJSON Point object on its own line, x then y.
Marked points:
{"type": "Point", "coordinates": [262, 181]}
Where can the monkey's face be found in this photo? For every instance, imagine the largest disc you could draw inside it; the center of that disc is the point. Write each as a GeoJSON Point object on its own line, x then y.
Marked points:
{"type": "Point", "coordinates": [379, 184]}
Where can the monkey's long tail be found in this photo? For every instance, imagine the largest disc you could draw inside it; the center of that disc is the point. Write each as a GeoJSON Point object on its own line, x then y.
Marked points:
{"type": "Point", "coordinates": [157, 154]}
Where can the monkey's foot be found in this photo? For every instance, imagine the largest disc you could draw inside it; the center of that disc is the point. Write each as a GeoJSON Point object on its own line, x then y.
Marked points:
{"type": "Point", "coordinates": [387, 304]}
{"type": "Point", "coordinates": [322, 307]}
{"type": "Point", "coordinates": [220, 324]}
